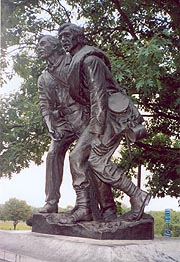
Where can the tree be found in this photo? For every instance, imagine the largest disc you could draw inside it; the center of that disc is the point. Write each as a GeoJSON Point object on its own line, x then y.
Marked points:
{"type": "Point", "coordinates": [160, 225]}
{"type": "Point", "coordinates": [16, 210]}
{"type": "Point", "coordinates": [2, 215]}
{"type": "Point", "coordinates": [141, 39]}
{"type": "Point", "coordinates": [68, 208]}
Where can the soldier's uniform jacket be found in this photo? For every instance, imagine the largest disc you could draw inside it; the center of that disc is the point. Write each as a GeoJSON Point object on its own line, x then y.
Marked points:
{"type": "Point", "coordinates": [55, 99]}
{"type": "Point", "coordinates": [91, 82]}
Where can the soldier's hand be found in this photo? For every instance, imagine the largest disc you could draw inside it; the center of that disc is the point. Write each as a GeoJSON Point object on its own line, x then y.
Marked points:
{"type": "Point", "coordinates": [55, 135]}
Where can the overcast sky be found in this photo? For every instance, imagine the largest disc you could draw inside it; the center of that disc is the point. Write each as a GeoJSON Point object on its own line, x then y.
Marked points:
{"type": "Point", "coordinates": [30, 183]}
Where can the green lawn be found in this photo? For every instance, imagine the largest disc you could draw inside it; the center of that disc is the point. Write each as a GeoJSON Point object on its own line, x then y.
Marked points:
{"type": "Point", "coordinates": [8, 225]}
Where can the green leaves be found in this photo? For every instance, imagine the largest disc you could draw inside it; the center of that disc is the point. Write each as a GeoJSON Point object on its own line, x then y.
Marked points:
{"type": "Point", "coordinates": [24, 138]}
{"type": "Point", "coordinates": [16, 210]}
{"type": "Point", "coordinates": [23, 135]}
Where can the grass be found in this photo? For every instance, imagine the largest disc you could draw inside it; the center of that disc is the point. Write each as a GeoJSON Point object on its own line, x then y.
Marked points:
{"type": "Point", "coordinates": [8, 225]}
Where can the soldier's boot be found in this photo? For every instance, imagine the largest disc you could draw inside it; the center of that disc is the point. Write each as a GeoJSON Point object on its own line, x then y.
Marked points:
{"type": "Point", "coordinates": [49, 207]}
{"type": "Point", "coordinates": [106, 201]}
{"type": "Point", "coordinates": [138, 198]}
{"type": "Point", "coordinates": [108, 210]}
{"type": "Point", "coordinates": [82, 212]}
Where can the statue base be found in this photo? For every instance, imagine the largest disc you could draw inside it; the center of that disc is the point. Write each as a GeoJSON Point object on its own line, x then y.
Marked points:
{"type": "Point", "coordinates": [117, 229]}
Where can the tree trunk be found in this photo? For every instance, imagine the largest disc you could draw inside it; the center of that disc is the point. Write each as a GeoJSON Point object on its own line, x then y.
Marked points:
{"type": "Point", "coordinates": [15, 224]}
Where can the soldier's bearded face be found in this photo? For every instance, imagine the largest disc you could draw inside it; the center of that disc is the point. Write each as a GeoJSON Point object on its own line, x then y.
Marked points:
{"type": "Point", "coordinates": [68, 40]}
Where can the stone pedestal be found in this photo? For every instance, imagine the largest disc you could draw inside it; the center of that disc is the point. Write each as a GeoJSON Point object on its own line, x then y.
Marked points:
{"type": "Point", "coordinates": [117, 229]}
{"type": "Point", "coordinates": [24, 246]}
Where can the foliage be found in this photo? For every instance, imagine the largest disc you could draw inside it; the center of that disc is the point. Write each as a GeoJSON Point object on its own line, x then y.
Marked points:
{"type": "Point", "coordinates": [68, 208]}
{"type": "Point", "coordinates": [16, 210]}
{"type": "Point", "coordinates": [23, 134]}
{"type": "Point", "coordinates": [160, 224]}
{"type": "Point", "coordinates": [2, 214]}
{"type": "Point", "coordinates": [141, 39]}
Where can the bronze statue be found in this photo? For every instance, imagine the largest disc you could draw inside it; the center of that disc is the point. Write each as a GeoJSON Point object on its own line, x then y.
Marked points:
{"type": "Point", "coordinates": [66, 119]}
{"type": "Point", "coordinates": [91, 84]}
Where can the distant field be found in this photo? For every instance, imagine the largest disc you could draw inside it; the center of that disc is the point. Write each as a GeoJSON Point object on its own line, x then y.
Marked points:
{"type": "Point", "coordinates": [8, 225]}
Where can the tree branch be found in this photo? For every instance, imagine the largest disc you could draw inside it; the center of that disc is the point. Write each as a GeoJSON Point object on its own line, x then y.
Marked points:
{"type": "Point", "coordinates": [156, 148]}
{"type": "Point", "coordinates": [15, 126]}
{"type": "Point", "coordinates": [166, 115]}
{"type": "Point", "coordinates": [101, 30]}
{"type": "Point", "coordinates": [68, 17]}
{"type": "Point", "coordinates": [50, 13]}
{"type": "Point", "coordinates": [126, 19]}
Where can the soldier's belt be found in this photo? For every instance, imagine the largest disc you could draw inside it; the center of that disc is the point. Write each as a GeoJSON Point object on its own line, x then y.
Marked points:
{"type": "Point", "coordinates": [67, 110]}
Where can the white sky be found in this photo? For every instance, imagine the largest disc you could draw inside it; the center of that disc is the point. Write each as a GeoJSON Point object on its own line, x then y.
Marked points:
{"type": "Point", "coordinates": [29, 185]}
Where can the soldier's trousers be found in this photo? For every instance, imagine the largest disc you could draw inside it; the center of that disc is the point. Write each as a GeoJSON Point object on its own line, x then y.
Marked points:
{"type": "Point", "coordinates": [95, 152]}
{"type": "Point", "coordinates": [54, 174]}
